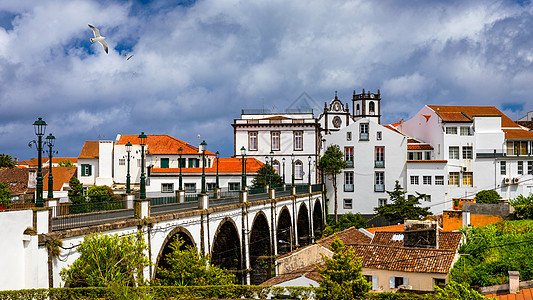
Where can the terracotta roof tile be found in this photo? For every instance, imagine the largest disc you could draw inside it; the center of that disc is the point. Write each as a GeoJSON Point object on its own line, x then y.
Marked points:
{"type": "Point", "coordinates": [527, 124]}
{"type": "Point", "coordinates": [56, 160]}
{"type": "Point", "coordinates": [419, 147]}
{"type": "Point", "coordinates": [17, 179]}
{"type": "Point", "coordinates": [227, 165]}
{"type": "Point", "coordinates": [310, 272]}
{"type": "Point", "coordinates": [518, 134]}
{"type": "Point", "coordinates": [448, 240]}
{"type": "Point", "coordinates": [526, 294]}
{"type": "Point", "coordinates": [61, 175]}
{"type": "Point", "coordinates": [351, 235]}
{"type": "Point", "coordinates": [395, 228]}
{"type": "Point", "coordinates": [451, 113]}
{"type": "Point", "coordinates": [90, 150]}
{"type": "Point", "coordinates": [161, 144]}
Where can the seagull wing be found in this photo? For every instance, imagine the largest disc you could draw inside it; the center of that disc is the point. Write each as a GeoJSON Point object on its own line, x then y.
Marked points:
{"type": "Point", "coordinates": [96, 31]}
{"type": "Point", "coordinates": [105, 46]}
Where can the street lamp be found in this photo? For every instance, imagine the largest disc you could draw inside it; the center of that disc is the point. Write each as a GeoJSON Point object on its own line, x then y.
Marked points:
{"type": "Point", "coordinates": [267, 171]}
{"type": "Point", "coordinates": [180, 150]}
{"type": "Point", "coordinates": [203, 144]}
{"type": "Point", "coordinates": [283, 160]}
{"type": "Point", "coordinates": [40, 127]}
{"type": "Point", "coordinates": [50, 141]}
{"type": "Point", "coordinates": [128, 176]}
{"type": "Point", "coordinates": [309, 173]}
{"type": "Point", "coordinates": [243, 153]}
{"type": "Point", "coordinates": [217, 182]}
{"type": "Point", "coordinates": [142, 140]}
{"type": "Point", "coordinates": [271, 171]}
{"type": "Point", "coordinates": [292, 160]}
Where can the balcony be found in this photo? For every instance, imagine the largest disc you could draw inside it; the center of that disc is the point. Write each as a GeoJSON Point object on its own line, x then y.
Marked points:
{"type": "Point", "coordinates": [379, 188]}
{"type": "Point", "coordinates": [379, 164]}
{"type": "Point", "coordinates": [349, 163]}
{"type": "Point", "coordinates": [363, 136]}
{"type": "Point", "coordinates": [348, 187]}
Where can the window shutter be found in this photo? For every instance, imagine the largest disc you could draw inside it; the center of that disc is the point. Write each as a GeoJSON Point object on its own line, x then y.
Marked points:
{"type": "Point", "coordinates": [392, 282]}
{"type": "Point", "coordinates": [405, 281]}
{"type": "Point", "coordinates": [83, 170]}
{"type": "Point", "coordinates": [374, 282]}
{"type": "Point", "coordinates": [89, 170]}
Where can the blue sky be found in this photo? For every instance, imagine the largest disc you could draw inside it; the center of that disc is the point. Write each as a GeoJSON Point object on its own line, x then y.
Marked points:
{"type": "Point", "coordinates": [197, 64]}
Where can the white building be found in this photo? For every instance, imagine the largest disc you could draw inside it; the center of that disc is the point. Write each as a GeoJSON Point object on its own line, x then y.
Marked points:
{"type": "Point", "coordinates": [281, 138]}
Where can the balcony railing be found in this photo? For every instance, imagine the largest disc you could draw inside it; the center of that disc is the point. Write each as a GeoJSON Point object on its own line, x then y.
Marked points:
{"type": "Point", "coordinates": [379, 164]}
{"type": "Point", "coordinates": [379, 187]}
{"type": "Point", "coordinates": [348, 187]}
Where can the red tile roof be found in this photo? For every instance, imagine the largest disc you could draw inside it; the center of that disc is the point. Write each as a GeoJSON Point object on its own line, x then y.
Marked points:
{"type": "Point", "coordinates": [395, 228]}
{"type": "Point", "coordinates": [61, 175]}
{"type": "Point", "coordinates": [90, 150]}
{"type": "Point", "coordinates": [310, 272]}
{"type": "Point", "coordinates": [227, 165]}
{"type": "Point", "coordinates": [56, 160]}
{"type": "Point", "coordinates": [448, 240]}
{"type": "Point", "coordinates": [17, 178]}
{"type": "Point", "coordinates": [524, 294]}
{"type": "Point", "coordinates": [349, 236]}
{"type": "Point", "coordinates": [518, 134]}
{"type": "Point", "coordinates": [161, 144]}
{"type": "Point", "coordinates": [527, 124]}
{"type": "Point", "coordinates": [419, 147]}
{"type": "Point", "coordinates": [452, 113]}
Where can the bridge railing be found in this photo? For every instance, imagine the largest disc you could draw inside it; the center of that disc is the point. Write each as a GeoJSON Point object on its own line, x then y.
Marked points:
{"type": "Point", "coordinates": [87, 214]}
{"type": "Point", "coordinates": [302, 188]}
{"type": "Point", "coordinates": [163, 200]}
{"type": "Point", "coordinates": [316, 188]}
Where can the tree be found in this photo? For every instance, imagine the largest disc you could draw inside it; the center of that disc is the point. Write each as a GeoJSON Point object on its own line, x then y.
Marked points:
{"type": "Point", "coordinates": [75, 194]}
{"type": "Point", "coordinates": [331, 164]}
{"type": "Point", "coordinates": [187, 267]}
{"type": "Point", "coordinates": [262, 177]}
{"type": "Point", "coordinates": [99, 193]}
{"type": "Point", "coordinates": [65, 163]}
{"type": "Point", "coordinates": [342, 277]}
{"type": "Point", "coordinates": [5, 196]}
{"type": "Point", "coordinates": [458, 291]}
{"type": "Point", "coordinates": [7, 162]}
{"type": "Point", "coordinates": [488, 196]}
{"type": "Point", "coordinates": [345, 221]}
{"type": "Point", "coordinates": [108, 260]}
{"type": "Point", "coordinates": [402, 208]}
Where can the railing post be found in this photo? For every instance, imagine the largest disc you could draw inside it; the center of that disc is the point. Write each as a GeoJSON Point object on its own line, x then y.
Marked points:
{"type": "Point", "coordinates": [142, 208]}
{"type": "Point", "coordinates": [180, 196]}
{"type": "Point", "coordinates": [243, 197]}
{"type": "Point", "coordinates": [203, 201]}
{"type": "Point", "coordinates": [129, 200]}
{"type": "Point", "coordinates": [217, 192]}
{"type": "Point", "coordinates": [293, 190]}
{"type": "Point", "coordinates": [52, 203]}
{"type": "Point", "coordinates": [272, 194]}
{"type": "Point", "coordinates": [310, 189]}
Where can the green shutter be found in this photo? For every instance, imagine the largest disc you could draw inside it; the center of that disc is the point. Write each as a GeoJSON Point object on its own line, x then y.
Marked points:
{"type": "Point", "coordinates": [164, 162]}
{"type": "Point", "coordinates": [89, 170]}
{"type": "Point", "coordinates": [83, 170]}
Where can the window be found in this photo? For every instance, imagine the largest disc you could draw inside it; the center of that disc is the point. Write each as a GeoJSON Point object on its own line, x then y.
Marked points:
{"type": "Point", "coordinates": [453, 178]}
{"type": "Point", "coordinates": [517, 148]}
{"type": "Point", "coordinates": [395, 282]}
{"type": "Point", "coordinates": [439, 180]}
{"type": "Point", "coordinates": [181, 163]}
{"type": "Point", "coordinates": [414, 179]}
{"type": "Point", "coordinates": [211, 186]}
{"type": "Point", "coordinates": [530, 167]}
{"type": "Point", "coordinates": [363, 131]}
{"type": "Point", "coordinates": [275, 140]}
{"type": "Point", "coordinates": [451, 130]}
{"type": "Point", "coordinates": [298, 170]}
{"type": "Point", "coordinates": [194, 163]}
{"type": "Point", "coordinates": [465, 131]}
{"type": "Point", "coordinates": [348, 182]}
{"type": "Point", "coordinates": [164, 162]}
{"type": "Point", "coordinates": [426, 180]}
{"type": "Point", "coordinates": [440, 282]}
{"type": "Point", "coordinates": [348, 156]}
{"type": "Point", "coordinates": [349, 136]}
{"type": "Point", "coordinates": [454, 152]}
{"type": "Point", "coordinates": [467, 178]}
{"type": "Point", "coordinates": [416, 155]}
{"type": "Point", "coordinates": [122, 162]}
{"type": "Point", "coordinates": [467, 152]}
{"type": "Point", "coordinates": [380, 182]}
{"type": "Point", "coordinates": [252, 141]}
{"type": "Point", "coordinates": [190, 187]}
{"type": "Point", "coordinates": [427, 198]}
{"type": "Point", "coordinates": [234, 186]}
{"type": "Point", "coordinates": [86, 170]}
{"type": "Point", "coordinates": [382, 201]}
{"type": "Point", "coordinates": [167, 187]}
{"type": "Point", "coordinates": [520, 168]}
{"type": "Point", "coordinates": [380, 157]}
{"type": "Point", "coordinates": [275, 165]}
{"type": "Point", "coordinates": [298, 140]}
{"type": "Point", "coordinates": [503, 167]}
{"type": "Point", "coordinates": [379, 135]}
{"type": "Point", "coordinates": [428, 155]}
{"type": "Point", "coordinates": [347, 203]}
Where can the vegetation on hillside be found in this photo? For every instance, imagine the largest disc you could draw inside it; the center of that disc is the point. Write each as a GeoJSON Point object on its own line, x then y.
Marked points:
{"type": "Point", "coordinates": [488, 196]}
{"type": "Point", "coordinates": [523, 207]}
{"type": "Point", "coordinates": [402, 208]}
{"type": "Point", "coordinates": [345, 221]}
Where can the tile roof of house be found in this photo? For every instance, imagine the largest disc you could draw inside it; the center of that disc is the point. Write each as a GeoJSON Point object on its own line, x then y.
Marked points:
{"type": "Point", "coordinates": [448, 240]}
{"type": "Point", "coordinates": [61, 175]}
{"type": "Point", "coordinates": [395, 228]}
{"type": "Point", "coordinates": [310, 272]}
{"type": "Point", "coordinates": [453, 113]}
{"type": "Point", "coordinates": [161, 144]}
{"type": "Point", "coordinates": [524, 294]}
{"type": "Point", "coordinates": [350, 236]}
{"type": "Point", "coordinates": [527, 124]}
{"type": "Point", "coordinates": [17, 178]}
{"type": "Point", "coordinates": [518, 133]}
{"type": "Point", "coordinates": [405, 259]}
{"type": "Point", "coordinates": [90, 150]}
{"type": "Point", "coordinates": [419, 147]}
{"type": "Point", "coordinates": [56, 160]}
{"type": "Point", "coordinates": [226, 165]}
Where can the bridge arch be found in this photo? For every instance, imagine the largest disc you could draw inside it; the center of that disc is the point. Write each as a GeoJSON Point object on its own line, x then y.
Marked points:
{"type": "Point", "coordinates": [260, 250]}
{"type": "Point", "coordinates": [302, 223]}
{"type": "Point", "coordinates": [318, 219]}
{"type": "Point", "coordinates": [180, 232]}
{"type": "Point", "coordinates": [284, 231]}
{"type": "Point", "coordinates": [226, 251]}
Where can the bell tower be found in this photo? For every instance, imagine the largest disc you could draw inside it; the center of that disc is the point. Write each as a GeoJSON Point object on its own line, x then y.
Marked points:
{"type": "Point", "coordinates": [366, 105]}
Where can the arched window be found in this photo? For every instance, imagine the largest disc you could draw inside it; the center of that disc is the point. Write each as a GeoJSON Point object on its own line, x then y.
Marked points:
{"type": "Point", "coordinates": [371, 107]}
{"type": "Point", "coordinates": [357, 109]}
{"type": "Point", "coordinates": [275, 165]}
{"type": "Point", "coordinates": [298, 170]}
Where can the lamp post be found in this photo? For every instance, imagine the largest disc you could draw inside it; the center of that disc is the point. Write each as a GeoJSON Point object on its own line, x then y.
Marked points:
{"type": "Point", "coordinates": [40, 127]}
{"type": "Point", "coordinates": [283, 160]}
{"type": "Point", "coordinates": [180, 150]}
{"type": "Point", "coordinates": [50, 141]}
{"type": "Point", "coordinates": [142, 140]}
{"type": "Point", "coordinates": [271, 171]}
{"type": "Point", "coordinates": [292, 160]}
{"type": "Point", "coordinates": [203, 143]}
{"type": "Point", "coordinates": [267, 171]}
{"type": "Point", "coordinates": [217, 182]}
{"type": "Point", "coordinates": [243, 153]}
{"type": "Point", "coordinates": [128, 176]}
{"type": "Point", "coordinates": [309, 173]}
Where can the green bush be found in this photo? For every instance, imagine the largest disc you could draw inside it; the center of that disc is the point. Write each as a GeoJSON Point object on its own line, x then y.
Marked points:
{"type": "Point", "coordinates": [488, 197]}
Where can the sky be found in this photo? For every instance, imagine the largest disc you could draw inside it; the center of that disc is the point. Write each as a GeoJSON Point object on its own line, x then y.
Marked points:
{"type": "Point", "coordinates": [196, 64]}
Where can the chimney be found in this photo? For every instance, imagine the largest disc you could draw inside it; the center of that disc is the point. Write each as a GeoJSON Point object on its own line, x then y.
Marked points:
{"type": "Point", "coordinates": [514, 282]}
{"type": "Point", "coordinates": [421, 234]}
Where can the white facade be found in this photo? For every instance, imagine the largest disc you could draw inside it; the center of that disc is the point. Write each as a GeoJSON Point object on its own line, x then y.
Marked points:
{"type": "Point", "coordinates": [527, 117]}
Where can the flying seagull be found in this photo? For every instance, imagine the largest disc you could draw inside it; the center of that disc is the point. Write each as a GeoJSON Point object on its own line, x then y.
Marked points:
{"type": "Point", "coordinates": [98, 38]}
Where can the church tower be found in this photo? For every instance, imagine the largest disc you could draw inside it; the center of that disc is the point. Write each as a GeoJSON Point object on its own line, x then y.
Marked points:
{"type": "Point", "coordinates": [366, 105]}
